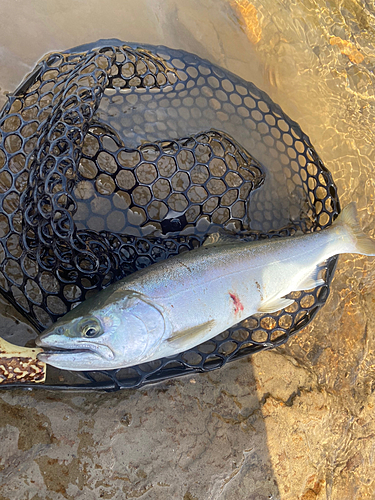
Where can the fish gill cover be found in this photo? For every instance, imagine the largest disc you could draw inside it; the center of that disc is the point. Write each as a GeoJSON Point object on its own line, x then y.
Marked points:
{"type": "Point", "coordinates": [114, 156]}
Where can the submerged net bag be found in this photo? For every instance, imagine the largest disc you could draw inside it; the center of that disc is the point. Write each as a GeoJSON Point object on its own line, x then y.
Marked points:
{"type": "Point", "coordinates": [115, 156]}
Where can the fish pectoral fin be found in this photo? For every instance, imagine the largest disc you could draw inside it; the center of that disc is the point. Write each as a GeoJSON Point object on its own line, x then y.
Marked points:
{"type": "Point", "coordinates": [190, 336]}
{"type": "Point", "coordinates": [275, 304]}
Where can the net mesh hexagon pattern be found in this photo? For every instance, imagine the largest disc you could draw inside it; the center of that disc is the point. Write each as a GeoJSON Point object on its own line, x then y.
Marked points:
{"type": "Point", "coordinates": [115, 156]}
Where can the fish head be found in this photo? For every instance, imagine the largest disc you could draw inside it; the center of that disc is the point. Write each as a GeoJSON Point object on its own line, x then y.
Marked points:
{"type": "Point", "coordinates": [118, 334]}
{"type": "Point", "coordinates": [79, 342]}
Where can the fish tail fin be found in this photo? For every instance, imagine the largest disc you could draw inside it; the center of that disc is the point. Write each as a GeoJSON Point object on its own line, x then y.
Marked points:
{"type": "Point", "coordinates": [348, 219]}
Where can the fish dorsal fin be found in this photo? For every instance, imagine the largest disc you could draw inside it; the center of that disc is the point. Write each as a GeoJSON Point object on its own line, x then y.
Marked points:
{"type": "Point", "coordinates": [219, 239]}
{"type": "Point", "coordinates": [190, 336]}
{"type": "Point", "coordinates": [275, 304]}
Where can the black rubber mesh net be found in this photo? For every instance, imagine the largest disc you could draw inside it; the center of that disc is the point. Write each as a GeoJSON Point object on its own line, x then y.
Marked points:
{"type": "Point", "coordinates": [115, 156]}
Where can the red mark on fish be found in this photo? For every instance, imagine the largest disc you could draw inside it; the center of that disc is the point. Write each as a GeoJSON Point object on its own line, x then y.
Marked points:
{"type": "Point", "coordinates": [237, 303]}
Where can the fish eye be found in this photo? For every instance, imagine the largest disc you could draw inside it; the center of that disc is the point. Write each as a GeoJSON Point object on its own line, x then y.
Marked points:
{"type": "Point", "coordinates": [89, 331]}
{"type": "Point", "coordinates": [90, 328]}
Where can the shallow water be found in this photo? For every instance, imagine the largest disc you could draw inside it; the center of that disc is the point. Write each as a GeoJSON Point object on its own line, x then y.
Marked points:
{"type": "Point", "coordinates": [316, 60]}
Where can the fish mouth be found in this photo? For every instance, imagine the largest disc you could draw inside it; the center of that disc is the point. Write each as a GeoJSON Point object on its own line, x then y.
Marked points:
{"type": "Point", "coordinates": [75, 359]}
{"type": "Point", "coordinates": [57, 350]}
{"type": "Point", "coordinates": [52, 346]}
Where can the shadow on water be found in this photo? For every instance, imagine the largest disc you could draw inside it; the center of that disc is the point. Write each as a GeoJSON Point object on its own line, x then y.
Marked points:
{"type": "Point", "coordinates": [197, 437]}
{"type": "Point", "coordinates": [211, 454]}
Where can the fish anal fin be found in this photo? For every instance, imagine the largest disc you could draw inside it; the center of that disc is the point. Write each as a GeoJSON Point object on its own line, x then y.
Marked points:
{"type": "Point", "coordinates": [309, 282]}
{"type": "Point", "coordinates": [191, 336]}
{"type": "Point", "coordinates": [275, 304]}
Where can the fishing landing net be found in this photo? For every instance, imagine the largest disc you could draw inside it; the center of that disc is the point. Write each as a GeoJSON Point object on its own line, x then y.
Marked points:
{"type": "Point", "coordinates": [114, 156]}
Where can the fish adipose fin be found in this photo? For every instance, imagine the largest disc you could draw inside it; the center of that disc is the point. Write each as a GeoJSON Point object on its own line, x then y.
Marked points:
{"type": "Point", "coordinates": [348, 219]}
{"type": "Point", "coordinates": [275, 304]}
{"type": "Point", "coordinates": [190, 335]}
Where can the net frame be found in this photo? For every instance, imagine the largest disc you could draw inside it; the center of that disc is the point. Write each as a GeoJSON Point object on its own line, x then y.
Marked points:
{"type": "Point", "coordinates": [64, 127]}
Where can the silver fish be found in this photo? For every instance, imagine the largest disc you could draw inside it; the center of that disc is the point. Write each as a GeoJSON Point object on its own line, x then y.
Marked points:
{"type": "Point", "coordinates": [179, 303]}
